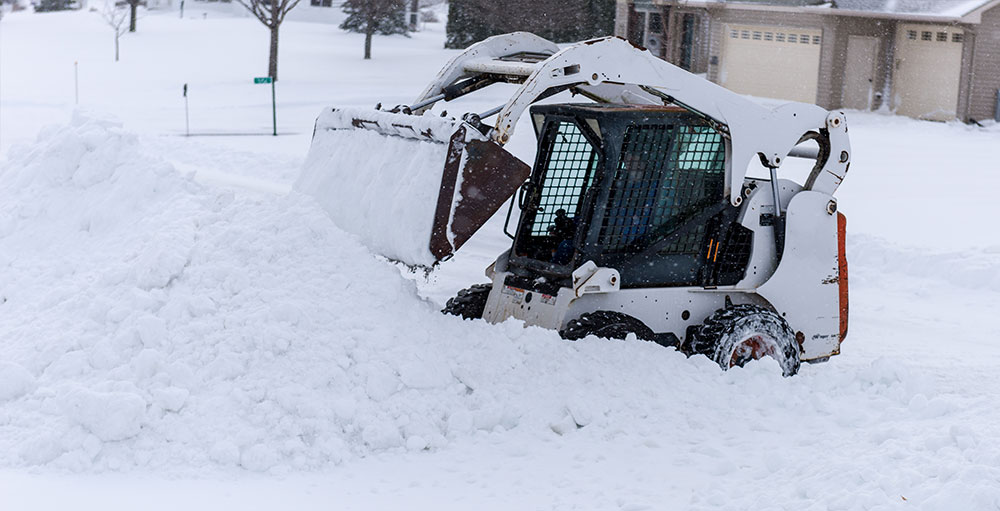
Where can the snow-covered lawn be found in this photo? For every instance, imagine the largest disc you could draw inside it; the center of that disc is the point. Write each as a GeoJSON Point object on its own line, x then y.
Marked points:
{"type": "Point", "coordinates": [178, 332]}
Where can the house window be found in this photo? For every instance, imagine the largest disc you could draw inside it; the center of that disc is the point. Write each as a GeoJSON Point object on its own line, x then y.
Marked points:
{"type": "Point", "coordinates": [745, 34]}
{"type": "Point", "coordinates": [957, 38]}
{"type": "Point", "coordinates": [321, 3]}
{"type": "Point", "coordinates": [926, 36]}
{"type": "Point", "coordinates": [816, 39]}
{"type": "Point", "coordinates": [735, 34]}
{"type": "Point", "coordinates": [911, 35]}
{"type": "Point", "coordinates": [804, 39]}
{"type": "Point", "coordinates": [768, 36]}
{"type": "Point", "coordinates": [780, 37]}
{"type": "Point", "coordinates": [792, 38]}
{"type": "Point", "coordinates": [756, 36]}
{"type": "Point", "coordinates": [942, 37]}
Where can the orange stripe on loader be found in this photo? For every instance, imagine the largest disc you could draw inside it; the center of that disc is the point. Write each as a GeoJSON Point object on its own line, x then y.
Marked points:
{"type": "Point", "coordinates": [842, 272]}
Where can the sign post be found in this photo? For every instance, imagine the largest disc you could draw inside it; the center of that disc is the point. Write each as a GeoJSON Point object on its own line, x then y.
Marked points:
{"type": "Point", "coordinates": [274, 107]}
{"type": "Point", "coordinates": [187, 118]}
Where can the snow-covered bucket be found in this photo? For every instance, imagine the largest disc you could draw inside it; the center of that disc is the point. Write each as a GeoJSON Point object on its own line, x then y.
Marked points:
{"type": "Point", "coordinates": [412, 188]}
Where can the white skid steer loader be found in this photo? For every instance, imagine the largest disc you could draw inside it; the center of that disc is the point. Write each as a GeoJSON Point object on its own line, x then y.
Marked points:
{"type": "Point", "coordinates": [637, 217]}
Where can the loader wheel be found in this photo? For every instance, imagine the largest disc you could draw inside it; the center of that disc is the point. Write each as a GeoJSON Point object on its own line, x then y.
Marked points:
{"type": "Point", "coordinates": [469, 303]}
{"type": "Point", "coordinates": [606, 324]}
{"type": "Point", "coordinates": [740, 333]}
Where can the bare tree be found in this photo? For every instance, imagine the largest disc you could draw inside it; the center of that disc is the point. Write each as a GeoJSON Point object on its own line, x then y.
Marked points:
{"type": "Point", "coordinates": [271, 13]}
{"type": "Point", "coordinates": [115, 15]}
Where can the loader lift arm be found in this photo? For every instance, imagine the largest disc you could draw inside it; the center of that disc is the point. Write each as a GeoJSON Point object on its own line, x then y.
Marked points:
{"type": "Point", "coordinates": [462, 173]}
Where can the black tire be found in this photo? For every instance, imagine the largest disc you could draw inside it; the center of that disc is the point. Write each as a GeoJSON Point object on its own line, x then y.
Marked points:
{"type": "Point", "coordinates": [608, 325]}
{"type": "Point", "coordinates": [469, 303]}
{"type": "Point", "coordinates": [737, 334]}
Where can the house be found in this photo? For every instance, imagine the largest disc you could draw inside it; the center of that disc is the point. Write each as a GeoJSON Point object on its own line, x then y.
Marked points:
{"type": "Point", "coordinates": [928, 59]}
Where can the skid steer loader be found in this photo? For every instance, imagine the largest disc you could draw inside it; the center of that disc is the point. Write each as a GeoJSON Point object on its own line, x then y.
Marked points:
{"type": "Point", "coordinates": [637, 218]}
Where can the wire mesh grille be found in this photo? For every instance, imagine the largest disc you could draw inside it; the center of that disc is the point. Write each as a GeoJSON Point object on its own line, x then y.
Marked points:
{"type": "Point", "coordinates": [732, 261]}
{"type": "Point", "coordinates": [569, 171]}
{"type": "Point", "coordinates": [666, 173]}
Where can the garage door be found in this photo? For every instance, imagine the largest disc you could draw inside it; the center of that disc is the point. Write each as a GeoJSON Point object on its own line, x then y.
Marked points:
{"type": "Point", "coordinates": [928, 67]}
{"type": "Point", "coordinates": [772, 62]}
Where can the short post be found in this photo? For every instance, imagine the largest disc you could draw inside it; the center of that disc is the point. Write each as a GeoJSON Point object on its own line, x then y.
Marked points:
{"type": "Point", "coordinates": [187, 118]}
{"type": "Point", "coordinates": [274, 107]}
{"type": "Point", "coordinates": [274, 112]}
{"type": "Point", "coordinates": [76, 82]}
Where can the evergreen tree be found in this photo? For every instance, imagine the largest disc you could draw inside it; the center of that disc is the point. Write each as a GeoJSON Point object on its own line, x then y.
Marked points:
{"type": "Point", "coordinates": [466, 24]}
{"type": "Point", "coordinates": [53, 5]}
{"type": "Point", "coordinates": [369, 17]}
{"type": "Point", "coordinates": [471, 21]}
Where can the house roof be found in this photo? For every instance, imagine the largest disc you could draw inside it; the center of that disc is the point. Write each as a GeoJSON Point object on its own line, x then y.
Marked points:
{"type": "Point", "coordinates": [956, 8]}
{"type": "Point", "coordinates": [966, 10]}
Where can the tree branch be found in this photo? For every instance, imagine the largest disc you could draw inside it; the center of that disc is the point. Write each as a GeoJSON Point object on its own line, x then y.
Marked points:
{"type": "Point", "coordinates": [285, 7]}
{"type": "Point", "coordinates": [256, 8]}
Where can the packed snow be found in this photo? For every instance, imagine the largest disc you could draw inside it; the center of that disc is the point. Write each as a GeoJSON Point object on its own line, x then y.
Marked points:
{"type": "Point", "coordinates": [181, 329]}
{"type": "Point", "coordinates": [381, 182]}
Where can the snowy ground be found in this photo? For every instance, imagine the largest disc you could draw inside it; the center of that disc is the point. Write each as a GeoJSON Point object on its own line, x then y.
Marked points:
{"type": "Point", "coordinates": [177, 332]}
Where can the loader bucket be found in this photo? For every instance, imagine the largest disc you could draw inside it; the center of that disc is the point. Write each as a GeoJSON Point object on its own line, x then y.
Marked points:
{"type": "Point", "coordinates": [413, 188]}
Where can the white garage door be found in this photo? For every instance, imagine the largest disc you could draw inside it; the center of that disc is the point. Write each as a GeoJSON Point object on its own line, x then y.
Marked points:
{"type": "Point", "coordinates": [928, 67]}
{"type": "Point", "coordinates": [772, 62]}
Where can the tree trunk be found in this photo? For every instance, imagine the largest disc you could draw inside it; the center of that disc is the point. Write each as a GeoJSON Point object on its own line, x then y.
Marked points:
{"type": "Point", "coordinates": [133, 6]}
{"type": "Point", "coordinates": [368, 43]}
{"type": "Point", "coordinates": [272, 64]}
{"type": "Point", "coordinates": [414, 14]}
{"type": "Point", "coordinates": [116, 44]}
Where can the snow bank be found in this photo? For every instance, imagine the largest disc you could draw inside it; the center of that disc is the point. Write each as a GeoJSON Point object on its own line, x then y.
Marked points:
{"type": "Point", "coordinates": [380, 179]}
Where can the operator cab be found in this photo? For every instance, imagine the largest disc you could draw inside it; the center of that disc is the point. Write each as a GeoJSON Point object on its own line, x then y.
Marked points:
{"type": "Point", "coordinates": [635, 188]}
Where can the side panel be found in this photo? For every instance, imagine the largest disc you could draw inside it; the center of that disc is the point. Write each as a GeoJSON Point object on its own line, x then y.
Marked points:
{"type": "Point", "coordinates": [805, 287]}
{"type": "Point", "coordinates": [665, 309]}
{"type": "Point", "coordinates": [532, 307]}
{"type": "Point", "coordinates": [758, 216]}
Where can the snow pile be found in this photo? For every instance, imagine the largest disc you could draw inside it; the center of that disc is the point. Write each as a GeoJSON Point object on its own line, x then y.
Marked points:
{"type": "Point", "coordinates": [149, 322]}
{"type": "Point", "coordinates": [380, 179]}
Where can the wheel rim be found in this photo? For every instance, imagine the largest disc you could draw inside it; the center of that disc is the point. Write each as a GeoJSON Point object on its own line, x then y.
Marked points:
{"type": "Point", "coordinates": [754, 347]}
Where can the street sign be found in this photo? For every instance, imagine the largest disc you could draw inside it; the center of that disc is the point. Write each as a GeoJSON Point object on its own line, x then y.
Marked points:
{"type": "Point", "coordinates": [274, 103]}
